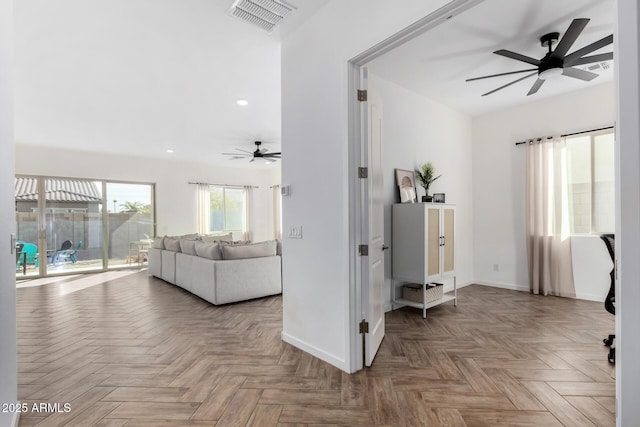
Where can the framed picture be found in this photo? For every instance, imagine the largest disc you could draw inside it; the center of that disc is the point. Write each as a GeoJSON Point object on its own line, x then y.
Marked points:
{"type": "Point", "coordinates": [438, 197]}
{"type": "Point", "coordinates": [406, 186]}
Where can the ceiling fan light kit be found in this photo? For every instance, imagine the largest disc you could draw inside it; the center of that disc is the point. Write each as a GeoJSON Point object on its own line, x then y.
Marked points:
{"type": "Point", "coordinates": [550, 73]}
{"type": "Point", "coordinates": [557, 62]}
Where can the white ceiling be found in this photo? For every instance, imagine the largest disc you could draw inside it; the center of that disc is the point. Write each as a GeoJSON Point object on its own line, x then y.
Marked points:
{"type": "Point", "coordinates": [437, 63]}
{"type": "Point", "coordinates": [146, 76]}
{"type": "Point", "coordinates": [140, 77]}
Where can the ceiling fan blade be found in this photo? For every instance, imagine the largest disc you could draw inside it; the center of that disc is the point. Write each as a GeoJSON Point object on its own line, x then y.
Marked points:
{"type": "Point", "coordinates": [590, 59]}
{"type": "Point", "coordinates": [569, 37]}
{"type": "Point", "coordinates": [517, 57]}
{"type": "Point", "coordinates": [253, 159]}
{"type": "Point", "coordinates": [236, 154]}
{"type": "Point", "coordinates": [579, 74]}
{"type": "Point", "coordinates": [245, 151]}
{"type": "Point", "coordinates": [605, 41]}
{"type": "Point", "coordinates": [537, 85]}
{"type": "Point", "coordinates": [272, 155]}
{"type": "Point", "coordinates": [501, 74]}
{"type": "Point", "coordinates": [236, 157]}
{"type": "Point", "coordinates": [509, 84]}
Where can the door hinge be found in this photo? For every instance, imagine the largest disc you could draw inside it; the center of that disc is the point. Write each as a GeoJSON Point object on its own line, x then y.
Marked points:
{"type": "Point", "coordinates": [362, 95]}
{"type": "Point", "coordinates": [363, 250]}
{"type": "Point", "coordinates": [363, 172]}
{"type": "Point", "coordinates": [364, 327]}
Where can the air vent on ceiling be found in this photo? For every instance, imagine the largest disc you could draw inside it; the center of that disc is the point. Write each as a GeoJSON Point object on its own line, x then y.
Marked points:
{"type": "Point", "coordinates": [266, 14]}
{"type": "Point", "coordinates": [599, 66]}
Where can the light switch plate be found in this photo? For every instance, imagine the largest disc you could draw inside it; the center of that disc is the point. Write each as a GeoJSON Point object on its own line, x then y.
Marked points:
{"type": "Point", "coordinates": [295, 232]}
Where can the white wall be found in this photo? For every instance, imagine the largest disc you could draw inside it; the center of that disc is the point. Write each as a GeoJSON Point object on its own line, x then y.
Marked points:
{"type": "Point", "coordinates": [499, 175]}
{"type": "Point", "coordinates": [627, 53]}
{"type": "Point", "coordinates": [8, 364]}
{"type": "Point", "coordinates": [591, 267]}
{"type": "Point", "coordinates": [175, 198]}
{"type": "Point", "coordinates": [316, 276]}
{"type": "Point", "coordinates": [417, 130]}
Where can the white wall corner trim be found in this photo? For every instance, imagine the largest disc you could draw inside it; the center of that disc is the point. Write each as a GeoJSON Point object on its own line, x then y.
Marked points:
{"type": "Point", "coordinates": [16, 419]}
{"type": "Point", "coordinates": [315, 351]}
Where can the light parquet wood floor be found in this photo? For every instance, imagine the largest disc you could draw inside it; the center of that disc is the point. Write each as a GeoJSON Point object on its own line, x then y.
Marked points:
{"type": "Point", "coordinates": [136, 351]}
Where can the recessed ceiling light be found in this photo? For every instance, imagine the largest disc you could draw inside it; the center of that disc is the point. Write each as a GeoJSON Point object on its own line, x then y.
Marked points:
{"type": "Point", "coordinates": [242, 102]}
{"type": "Point", "coordinates": [169, 151]}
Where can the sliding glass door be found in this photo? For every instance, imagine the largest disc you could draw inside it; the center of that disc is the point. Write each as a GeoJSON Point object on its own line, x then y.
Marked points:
{"type": "Point", "coordinates": [131, 224]}
{"type": "Point", "coordinates": [68, 225]}
{"type": "Point", "coordinates": [27, 245]}
{"type": "Point", "coordinates": [73, 224]}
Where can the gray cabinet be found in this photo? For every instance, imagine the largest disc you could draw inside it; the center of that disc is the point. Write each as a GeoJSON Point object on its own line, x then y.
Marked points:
{"type": "Point", "coordinates": [423, 249]}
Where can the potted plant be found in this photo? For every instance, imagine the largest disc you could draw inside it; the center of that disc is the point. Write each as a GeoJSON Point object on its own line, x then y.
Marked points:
{"type": "Point", "coordinates": [426, 176]}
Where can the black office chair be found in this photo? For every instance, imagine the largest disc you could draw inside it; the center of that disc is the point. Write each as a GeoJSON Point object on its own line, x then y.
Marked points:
{"type": "Point", "coordinates": [610, 300]}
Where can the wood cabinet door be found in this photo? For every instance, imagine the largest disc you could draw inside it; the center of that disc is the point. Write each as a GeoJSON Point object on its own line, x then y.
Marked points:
{"type": "Point", "coordinates": [448, 233]}
{"type": "Point", "coordinates": [433, 241]}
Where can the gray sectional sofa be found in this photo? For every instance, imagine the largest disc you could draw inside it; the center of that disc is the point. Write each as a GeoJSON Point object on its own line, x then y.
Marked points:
{"type": "Point", "coordinates": [218, 272]}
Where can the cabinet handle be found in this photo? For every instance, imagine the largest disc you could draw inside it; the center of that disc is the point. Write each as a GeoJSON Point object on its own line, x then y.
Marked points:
{"type": "Point", "coordinates": [443, 241]}
{"type": "Point", "coordinates": [385, 247]}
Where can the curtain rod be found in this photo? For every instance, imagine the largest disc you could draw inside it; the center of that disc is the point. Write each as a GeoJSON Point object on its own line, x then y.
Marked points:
{"type": "Point", "coordinates": [224, 185]}
{"type": "Point", "coordinates": [566, 134]}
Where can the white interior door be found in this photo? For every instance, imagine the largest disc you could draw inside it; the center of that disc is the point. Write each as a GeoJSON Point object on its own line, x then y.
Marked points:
{"type": "Point", "coordinates": [373, 292]}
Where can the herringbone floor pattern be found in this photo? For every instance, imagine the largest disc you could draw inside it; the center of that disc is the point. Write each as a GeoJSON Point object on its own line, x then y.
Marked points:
{"type": "Point", "coordinates": [136, 351]}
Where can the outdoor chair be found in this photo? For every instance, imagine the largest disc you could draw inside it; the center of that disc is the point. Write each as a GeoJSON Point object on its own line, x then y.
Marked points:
{"type": "Point", "coordinates": [53, 257]}
{"type": "Point", "coordinates": [68, 254]}
{"type": "Point", "coordinates": [20, 257]}
{"type": "Point", "coordinates": [31, 256]}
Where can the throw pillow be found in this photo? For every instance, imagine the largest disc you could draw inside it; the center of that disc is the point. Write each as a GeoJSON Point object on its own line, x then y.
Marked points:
{"type": "Point", "coordinates": [172, 244]}
{"type": "Point", "coordinates": [158, 243]}
{"type": "Point", "coordinates": [250, 250]}
{"type": "Point", "coordinates": [192, 236]}
{"type": "Point", "coordinates": [212, 238]}
{"type": "Point", "coordinates": [188, 246]}
{"type": "Point", "coordinates": [235, 242]}
{"type": "Point", "coordinates": [208, 250]}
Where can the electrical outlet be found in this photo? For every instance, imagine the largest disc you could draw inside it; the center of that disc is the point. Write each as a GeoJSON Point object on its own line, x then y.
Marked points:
{"type": "Point", "coordinates": [496, 267]}
{"type": "Point", "coordinates": [295, 232]}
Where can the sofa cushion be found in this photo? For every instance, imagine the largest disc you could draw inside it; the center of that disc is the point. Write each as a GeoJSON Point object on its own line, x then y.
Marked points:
{"type": "Point", "coordinates": [208, 250]}
{"type": "Point", "coordinates": [158, 243]}
{"type": "Point", "coordinates": [252, 250]}
{"type": "Point", "coordinates": [172, 244]}
{"type": "Point", "coordinates": [188, 246]}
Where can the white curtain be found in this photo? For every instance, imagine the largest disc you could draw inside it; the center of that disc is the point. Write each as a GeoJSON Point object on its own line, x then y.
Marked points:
{"type": "Point", "coordinates": [277, 214]}
{"type": "Point", "coordinates": [248, 219]}
{"type": "Point", "coordinates": [203, 208]}
{"type": "Point", "coordinates": [548, 227]}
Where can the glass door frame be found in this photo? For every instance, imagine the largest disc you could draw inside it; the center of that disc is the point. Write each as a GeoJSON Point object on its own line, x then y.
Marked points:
{"type": "Point", "coordinates": [42, 225]}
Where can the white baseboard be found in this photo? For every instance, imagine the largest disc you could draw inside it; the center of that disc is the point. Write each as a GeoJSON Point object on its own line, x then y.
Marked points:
{"type": "Point", "coordinates": [509, 286]}
{"type": "Point", "coordinates": [315, 351]}
{"type": "Point", "coordinates": [591, 297]}
{"type": "Point", "coordinates": [449, 287]}
{"type": "Point", "coordinates": [579, 295]}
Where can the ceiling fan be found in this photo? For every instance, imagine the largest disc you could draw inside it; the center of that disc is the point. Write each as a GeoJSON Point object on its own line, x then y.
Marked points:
{"type": "Point", "coordinates": [259, 153]}
{"type": "Point", "coordinates": [557, 62]}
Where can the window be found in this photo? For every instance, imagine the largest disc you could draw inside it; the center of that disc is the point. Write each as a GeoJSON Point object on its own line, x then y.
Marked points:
{"type": "Point", "coordinates": [591, 182]}
{"type": "Point", "coordinates": [109, 224]}
{"type": "Point", "coordinates": [228, 209]}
